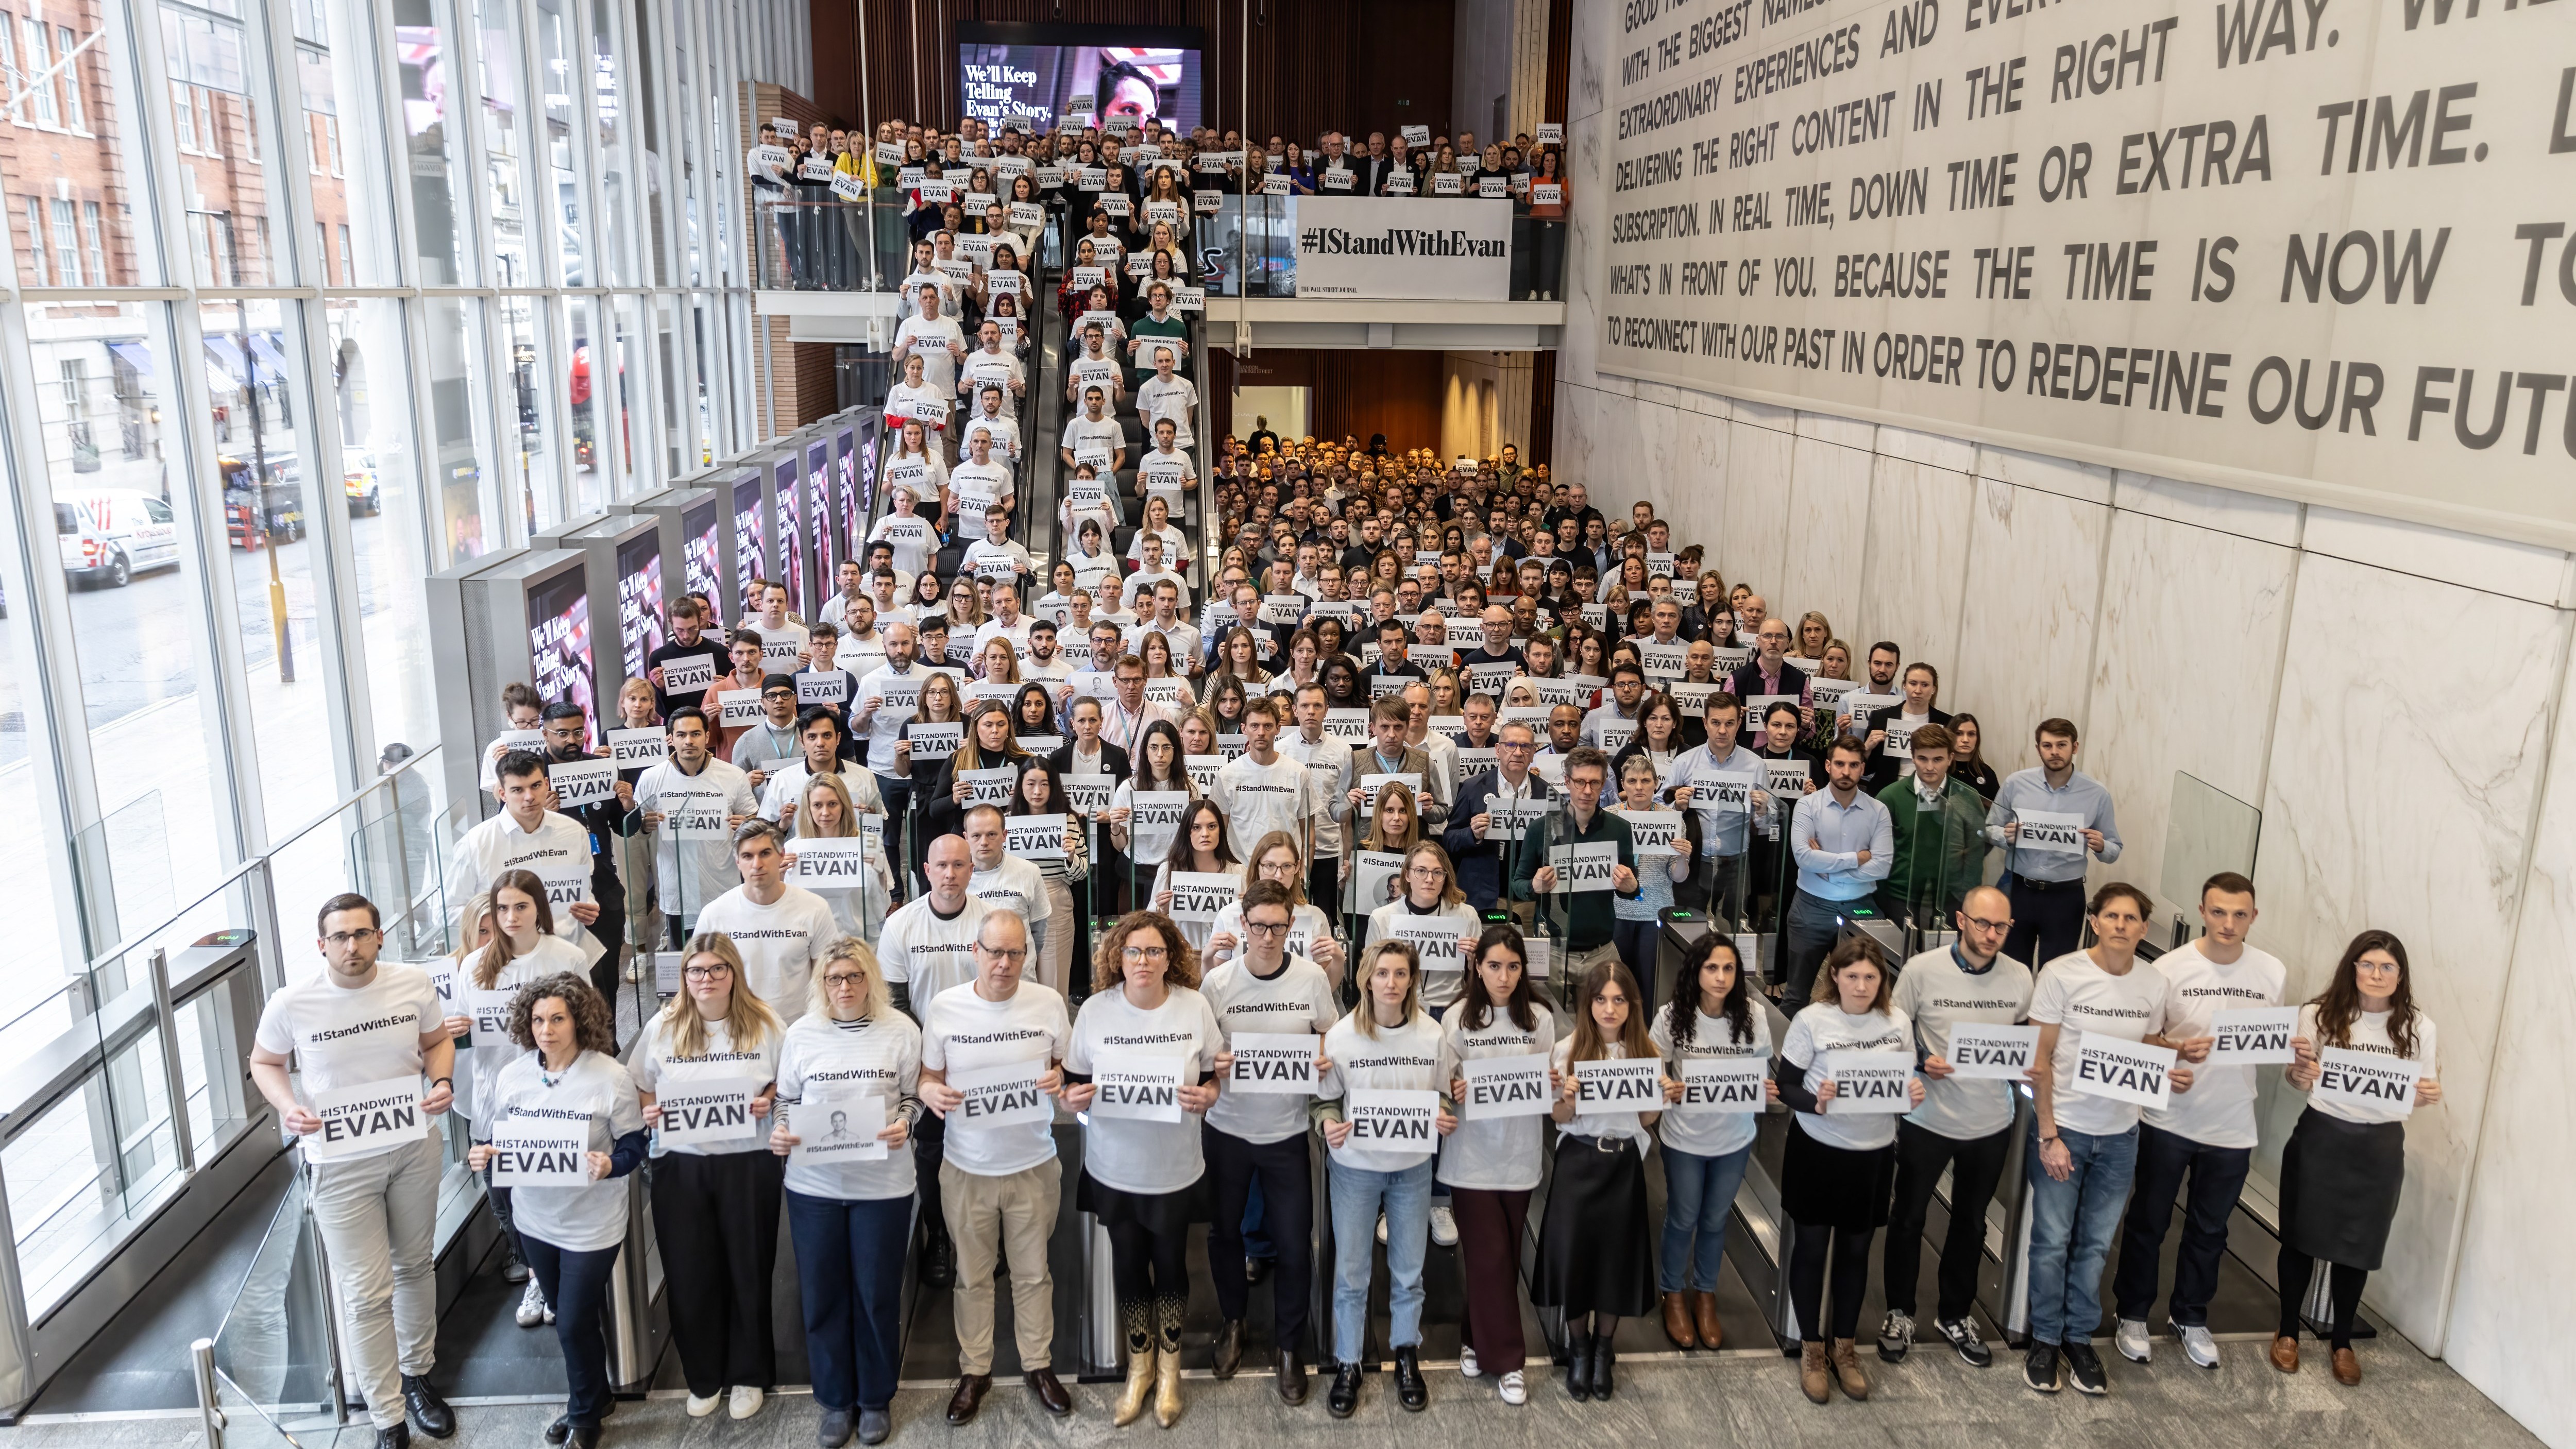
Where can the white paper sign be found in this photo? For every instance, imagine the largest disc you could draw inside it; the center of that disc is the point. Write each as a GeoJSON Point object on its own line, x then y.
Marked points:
{"type": "Point", "coordinates": [1137, 1087]}
{"type": "Point", "coordinates": [1654, 832]}
{"type": "Point", "coordinates": [832, 1127]}
{"type": "Point", "coordinates": [739, 708]}
{"type": "Point", "coordinates": [707, 1109]}
{"type": "Point", "coordinates": [1437, 942]}
{"type": "Point", "coordinates": [1547, 193]}
{"type": "Point", "coordinates": [2252, 1036]}
{"type": "Point", "coordinates": [1869, 1081]}
{"type": "Point", "coordinates": [1155, 819]}
{"type": "Point", "coordinates": [1034, 837]}
{"type": "Point", "coordinates": [832, 862]}
{"type": "Point", "coordinates": [1001, 1096]}
{"type": "Point", "coordinates": [988, 787]}
{"type": "Point", "coordinates": [694, 814]}
{"type": "Point", "coordinates": [1089, 794]}
{"type": "Point", "coordinates": [1273, 1064]}
{"type": "Point", "coordinates": [832, 687]}
{"type": "Point", "coordinates": [1983, 1052]}
{"type": "Point", "coordinates": [1371, 784]}
{"type": "Point", "coordinates": [1392, 1121]}
{"type": "Point", "coordinates": [367, 1118]}
{"type": "Point", "coordinates": [531, 1155]}
{"type": "Point", "coordinates": [1550, 133]}
{"type": "Point", "coordinates": [632, 749]}
{"type": "Point", "coordinates": [2050, 832]}
{"type": "Point", "coordinates": [1350, 726]}
{"type": "Point", "coordinates": [1200, 895]}
{"type": "Point", "coordinates": [491, 1013]}
{"type": "Point", "coordinates": [1417, 135]}
{"type": "Point", "coordinates": [2123, 1070]}
{"type": "Point", "coordinates": [934, 741]}
{"type": "Point", "coordinates": [1618, 1086]}
{"type": "Point", "coordinates": [582, 783]}
{"type": "Point", "coordinates": [1513, 1086]}
{"type": "Point", "coordinates": [1721, 1084]}
{"type": "Point", "coordinates": [1581, 868]}
{"type": "Point", "coordinates": [2367, 1081]}
{"type": "Point", "coordinates": [1374, 875]}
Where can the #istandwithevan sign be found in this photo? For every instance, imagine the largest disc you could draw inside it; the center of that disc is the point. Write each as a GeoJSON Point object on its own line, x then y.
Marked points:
{"type": "Point", "coordinates": [1440, 247]}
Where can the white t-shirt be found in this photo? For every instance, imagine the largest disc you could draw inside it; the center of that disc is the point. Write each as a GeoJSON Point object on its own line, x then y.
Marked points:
{"type": "Point", "coordinates": [2218, 1111]}
{"type": "Point", "coordinates": [1121, 1152]}
{"type": "Point", "coordinates": [1631, 1125]}
{"type": "Point", "coordinates": [984, 480]}
{"type": "Point", "coordinates": [1495, 1154]}
{"type": "Point", "coordinates": [1398, 1059]}
{"type": "Point", "coordinates": [781, 943]}
{"type": "Point", "coordinates": [2077, 996]}
{"type": "Point", "coordinates": [1014, 887]}
{"type": "Point", "coordinates": [1825, 1027]}
{"type": "Point", "coordinates": [1708, 1134]}
{"type": "Point", "coordinates": [559, 843]}
{"type": "Point", "coordinates": [1258, 799]}
{"type": "Point", "coordinates": [962, 1032]}
{"type": "Point", "coordinates": [1299, 998]}
{"type": "Point", "coordinates": [1307, 926]}
{"type": "Point", "coordinates": [885, 726]}
{"type": "Point", "coordinates": [1001, 367]}
{"type": "Point", "coordinates": [691, 873]}
{"type": "Point", "coordinates": [1936, 995]}
{"type": "Point", "coordinates": [929, 951]}
{"type": "Point", "coordinates": [2369, 1034]}
{"type": "Point", "coordinates": [910, 536]}
{"type": "Point", "coordinates": [938, 364]}
{"type": "Point", "coordinates": [1084, 436]}
{"type": "Point", "coordinates": [825, 1059]}
{"type": "Point", "coordinates": [594, 1096]}
{"type": "Point", "coordinates": [479, 1068]}
{"type": "Point", "coordinates": [1328, 765]}
{"type": "Point", "coordinates": [343, 1037]}
{"type": "Point", "coordinates": [1440, 978]}
{"type": "Point", "coordinates": [657, 1059]}
{"type": "Point", "coordinates": [1176, 399]}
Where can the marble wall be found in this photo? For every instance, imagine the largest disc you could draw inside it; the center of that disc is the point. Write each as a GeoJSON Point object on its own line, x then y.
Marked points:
{"type": "Point", "coordinates": [2396, 700]}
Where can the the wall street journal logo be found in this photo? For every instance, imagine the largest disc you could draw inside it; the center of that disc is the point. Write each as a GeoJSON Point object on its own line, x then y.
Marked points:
{"type": "Point", "coordinates": [1334, 241]}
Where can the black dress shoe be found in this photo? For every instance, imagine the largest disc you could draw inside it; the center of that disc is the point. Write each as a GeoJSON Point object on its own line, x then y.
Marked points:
{"type": "Point", "coordinates": [1050, 1391]}
{"type": "Point", "coordinates": [1410, 1390]}
{"type": "Point", "coordinates": [939, 1261]}
{"type": "Point", "coordinates": [427, 1409]}
{"type": "Point", "coordinates": [1292, 1378]}
{"type": "Point", "coordinates": [835, 1427]}
{"type": "Point", "coordinates": [397, 1437]}
{"type": "Point", "coordinates": [1578, 1365]}
{"type": "Point", "coordinates": [1256, 1269]}
{"type": "Point", "coordinates": [1342, 1402]}
{"type": "Point", "coordinates": [1229, 1348]}
{"type": "Point", "coordinates": [560, 1430]}
{"type": "Point", "coordinates": [968, 1398]}
{"type": "Point", "coordinates": [1602, 1356]}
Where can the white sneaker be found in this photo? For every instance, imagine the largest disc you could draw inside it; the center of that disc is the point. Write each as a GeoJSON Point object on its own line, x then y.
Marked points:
{"type": "Point", "coordinates": [1467, 1362]}
{"type": "Point", "coordinates": [1513, 1390]}
{"type": "Point", "coordinates": [746, 1401]}
{"type": "Point", "coordinates": [1381, 1229]}
{"type": "Point", "coordinates": [1444, 1226]}
{"type": "Point", "coordinates": [2199, 1346]}
{"type": "Point", "coordinates": [532, 1305]}
{"type": "Point", "coordinates": [699, 1408]}
{"type": "Point", "coordinates": [2132, 1340]}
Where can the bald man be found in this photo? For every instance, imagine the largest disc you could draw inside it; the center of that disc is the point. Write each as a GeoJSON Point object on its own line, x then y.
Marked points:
{"type": "Point", "coordinates": [1964, 1124]}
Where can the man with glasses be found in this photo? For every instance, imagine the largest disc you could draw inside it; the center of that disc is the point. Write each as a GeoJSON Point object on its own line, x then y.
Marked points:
{"type": "Point", "coordinates": [1000, 1187]}
{"type": "Point", "coordinates": [1479, 842]}
{"type": "Point", "coordinates": [566, 731]}
{"type": "Point", "coordinates": [926, 947]}
{"type": "Point", "coordinates": [770, 741]}
{"type": "Point", "coordinates": [374, 1194]}
{"type": "Point", "coordinates": [1964, 1125]}
{"type": "Point", "coordinates": [1588, 912]}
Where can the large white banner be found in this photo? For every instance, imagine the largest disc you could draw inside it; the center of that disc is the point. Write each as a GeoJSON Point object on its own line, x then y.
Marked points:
{"type": "Point", "coordinates": [1392, 247]}
{"type": "Point", "coordinates": [2319, 248]}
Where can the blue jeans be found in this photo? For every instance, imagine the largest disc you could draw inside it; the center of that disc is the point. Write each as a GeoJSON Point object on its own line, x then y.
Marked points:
{"type": "Point", "coordinates": [849, 1271]}
{"type": "Point", "coordinates": [1358, 1195]}
{"type": "Point", "coordinates": [1699, 1192]}
{"type": "Point", "coordinates": [576, 1286]}
{"type": "Point", "coordinates": [2071, 1226]}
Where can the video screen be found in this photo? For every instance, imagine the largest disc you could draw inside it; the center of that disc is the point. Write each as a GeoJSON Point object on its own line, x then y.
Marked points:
{"type": "Point", "coordinates": [854, 509]}
{"type": "Point", "coordinates": [792, 551]}
{"type": "Point", "coordinates": [698, 548]}
{"type": "Point", "coordinates": [639, 600]}
{"type": "Point", "coordinates": [1007, 71]}
{"type": "Point", "coordinates": [818, 507]}
{"type": "Point", "coordinates": [749, 556]}
{"type": "Point", "coordinates": [559, 642]}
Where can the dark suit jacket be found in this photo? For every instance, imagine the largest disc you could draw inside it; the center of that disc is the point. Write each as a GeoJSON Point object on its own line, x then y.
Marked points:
{"type": "Point", "coordinates": [1746, 682]}
{"type": "Point", "coordinates": [1480, 862]}
{"type": "Point", "coordinates": [1884, 770]}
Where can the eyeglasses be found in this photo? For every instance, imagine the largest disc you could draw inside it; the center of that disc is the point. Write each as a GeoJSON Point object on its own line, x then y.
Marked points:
{"type": "Point", "coordinates": [841, 979]}
{"type": "Point", "coordinates": [1020, 954]}
{"type": "Point", "coordinates": [1425, 872]}
{"type": "Point", "coordinates": [1259, 929]}
{"type": "Point", "coordinates": [358, 937]}
{"type": "Point", "coordinates": [1985, 925]}
{"type": "Point", "coordinates": [1145, 953]}
{"type": "Point", "coordinates": [705, 973]}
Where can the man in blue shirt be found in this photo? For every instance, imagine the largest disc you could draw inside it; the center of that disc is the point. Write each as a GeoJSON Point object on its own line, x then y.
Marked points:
{"type": "Point", "coordinates": [2050, 820]}
{"type": "Point", "coordinates": [1706, 779]}
{"type": "Point", "coordinates": [1844, 843]}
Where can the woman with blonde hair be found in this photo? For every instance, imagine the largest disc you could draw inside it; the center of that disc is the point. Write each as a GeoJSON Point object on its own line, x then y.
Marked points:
{"type": "Point", "coordinates": [1275, 857]}
{"type": "Point", "coordinates": [1431, 914]}
{"type": "Point", "coordinates": [825, 811]}
{"type": "Point", "coordinates": [849, 1074]}
{"type": "Point", "coordinates": [1815, 631]}
{"type": "Point", "coordinates": [717, 1195]}
{"type": "Point", "coordinates": [997, 662]}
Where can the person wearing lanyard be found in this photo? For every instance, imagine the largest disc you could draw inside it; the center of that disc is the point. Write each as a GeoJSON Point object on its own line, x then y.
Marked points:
{"type": "Point", "coordinates": [1844, 844]}
{"type": "Point", "coordinates": [1710, 1014]}
{"type": "Point", "coordinates": [1595, 1263]}
{"type": "Point", "coordinates": [1478, 841]}
{"type": "Point", "coordinates": [1588, 914]}
{"type": "Point", "coordinates": [1963, 1126]}
{"type": "Point", "coordinates": [1491, 1165]}
{"type": "Point", "coordinates": [718, 1197]}
{"type": "Point", "coordinates": [569, 1081]}
{"type": "Point", "coordinates": [769, 742]}
{"type": "Point", "coordinates": [362, 1024]}
{"type": "Point", "coordinates": [2047, 885]}
{"type": "Point", "coordinates": [1123, 723]}
{"type": "Point", "coordinates": [849, 1185]}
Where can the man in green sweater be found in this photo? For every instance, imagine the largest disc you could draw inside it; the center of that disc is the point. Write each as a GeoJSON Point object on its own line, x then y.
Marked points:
{"type": "Point", "coordinates": [1588, 914]}
{"type": "Point", "coordinates": [1940, 836]}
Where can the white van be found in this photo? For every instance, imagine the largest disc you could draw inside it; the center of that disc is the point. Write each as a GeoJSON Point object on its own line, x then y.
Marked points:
{"type": "Point", "coordinates": [111, 534]}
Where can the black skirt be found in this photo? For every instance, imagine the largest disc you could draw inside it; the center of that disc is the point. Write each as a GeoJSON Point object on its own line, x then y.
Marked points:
{"type": "Point", "coordinates": [1824, 1186]}
{"type": "Point", "coordinates": [1163, 1214]}
{"type": "Point", "coordinates": [2339, 1186]}
{"type": "Point", "coordinates": [1595, 1254]}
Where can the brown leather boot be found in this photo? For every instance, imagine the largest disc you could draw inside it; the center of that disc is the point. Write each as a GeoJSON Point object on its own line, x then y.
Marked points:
{"type": "Point", "coordinates": [1704, 1309]}
{"type": "Point", "coordinates": [1815, 1372]}
{"type": "Point", "coordinates": [1847, 1369]}
{"type": "Point", "coordinates": [1677, 1321]}
{"type": "Point", "coordinates": [2285, 1354]}
{"type": "Point", "coordinates": [2347, 1368]}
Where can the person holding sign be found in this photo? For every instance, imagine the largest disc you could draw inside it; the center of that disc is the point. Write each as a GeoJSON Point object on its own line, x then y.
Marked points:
{"type": "Point", "coordinates": [1887, 733]}
{"type": "Point", "coordinates": [1708, 1136]}
{"type": "Point", "coordinates": [2208, 1134]}
{"type": "Point", "coordinates": [2049, 818]}
{"type": "Point", "coordinates": [714, 1050]}
{"type": "Point", "coordinates": [1724, 784]}
{"type": "Point", "coordinates": [692, 801]}
{"type": "Point", "coordinates": [1843, 841]}
{"type": "Point", "coordinates": [1492, 1161]}
{"type": "Point", "coordinates": [1835, 1179]}
{"type": "Point", "coordinates": [1275, 857]}
{"type": "Point", "coordinates": [1494, 808]}
{"type": "Point", "coordinates": [1636, 921]}
{"type": "Point", "coordinates": [1382, 1111]}
{"type": "Point", "coordinates": [1431, 915]}
{"type": "Point", "coordinates": [1964, 1125]}
{"type": "Point", "coordinates": [849, 1078]}
{"type": "Point", "coordinates": [377, 1059]}
{"type": "Point", "coordinates": [1938, 825]}
{"type": "Point", "coordinates": [607, 814]}
{"type": "Point", "coordinates": [530, 835]}
{"type": "Point", "coordinates": [1594, 1259]}
{"type": "Point", "coordinates": [1147, 1059]}
{"type": "Point", "coordinates": [2365, 1059]}
{"type": "Point", "coordinates": [744, 649]}
{"type": "Point", "coordinates": [779, 929]}
{"type": "Point", "coordinates": [1198, 845]}
{"type": "Point", "coordinates": [567, 1090]}
{"type": "Point", "coordinates": [990, 1049]}
{"type": "Point", "coordinates": [826, 809]}
{"type": "Point", "coordinates": [1039, 792]}
{"type": "Point", "coordinates": [2083, 1147]}
{"type": "Point", "coordinates": [904, 530]}
{"type": "Point", "coordinates": [1583, 836]}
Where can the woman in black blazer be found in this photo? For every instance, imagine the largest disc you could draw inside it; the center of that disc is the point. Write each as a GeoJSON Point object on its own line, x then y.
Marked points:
{"type": "Point", "coordinates": [1922, 684]}
{"type": "Point", "coordinates": [1085, 753]}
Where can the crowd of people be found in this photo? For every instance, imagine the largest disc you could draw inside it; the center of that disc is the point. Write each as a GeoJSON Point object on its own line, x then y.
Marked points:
{"type": "Point", "coordinates": [1376, 772]}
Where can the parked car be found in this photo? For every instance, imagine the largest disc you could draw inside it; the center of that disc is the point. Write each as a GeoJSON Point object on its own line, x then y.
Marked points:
{"type": "Point", "coordinates": [358, 480]}
{"type": "Point", "coordinates": [109, 535]}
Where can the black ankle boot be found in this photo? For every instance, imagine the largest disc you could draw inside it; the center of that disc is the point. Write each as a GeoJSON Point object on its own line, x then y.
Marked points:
{"type": "Point", "coordinates": [1578, 1364]}
{"type": "Point", "coordinates": [1602, 1356]}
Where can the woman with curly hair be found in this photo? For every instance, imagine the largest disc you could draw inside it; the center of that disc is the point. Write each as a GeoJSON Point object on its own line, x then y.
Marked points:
{"type": "Point", "coordinates": [569, 1082]}
{"type": "Point", "coordinates": [1145, 1061]}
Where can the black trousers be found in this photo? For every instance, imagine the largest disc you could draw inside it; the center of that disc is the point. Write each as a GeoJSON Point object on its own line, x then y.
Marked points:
{"type": "Point", "coordinates": [1288, 1219]}
{"type": "Point", "coordinates": [717, 1216]}
{"type": "Point", "coordinates": [1324, 885]}
{"type": "Point", "coordinates": [929, 1146]}
{"type": "Point", "coordinates": [2217, 1176]}
{"type": "Point", "coordinates": [1850, 1248]}
{"type": "Point", "coordinates": [2048, 919]}
{"type": "Point", "coordinates": [1976, 1168]}
{"type": "Point", "coordinates": [576, 1286]}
